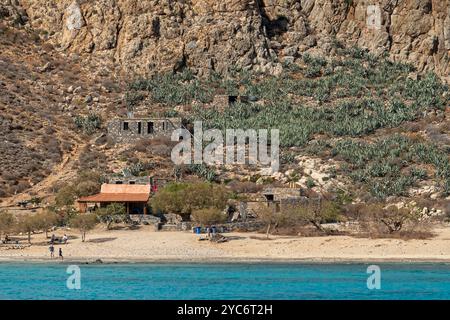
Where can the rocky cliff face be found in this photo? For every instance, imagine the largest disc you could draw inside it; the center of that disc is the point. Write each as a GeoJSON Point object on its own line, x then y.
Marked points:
{"type": "Point", "coordinates": [146, 36]}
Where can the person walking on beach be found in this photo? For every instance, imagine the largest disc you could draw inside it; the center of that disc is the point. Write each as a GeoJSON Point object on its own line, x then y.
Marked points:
{"type": "Point", "coordinates": [61, 254]}
{"type": "Point", "coordinates": [52, 240]}
{"type": "Point", "coordinates": [52, 251]}
{"type": "Point", "coordinates": [64, 239]}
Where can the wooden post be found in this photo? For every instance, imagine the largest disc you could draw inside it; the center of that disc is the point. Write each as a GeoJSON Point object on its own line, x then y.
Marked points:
{"type": "Point", "coordinates": [82, 207]}
{"type": "Point", "coordinates": [145, 209]}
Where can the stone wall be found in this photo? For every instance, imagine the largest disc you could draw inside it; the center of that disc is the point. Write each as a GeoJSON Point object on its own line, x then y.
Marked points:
{"type": "Point", "coordinates": [278, 194]}
{"type": "Point", "coordinates": [130, 180]}
{"type": "Point", "coordinates": [128, 129]}
{"type": "Point", "coordinates": [221, 102]}
{"type": "Point", "coordinates": [249, 226]}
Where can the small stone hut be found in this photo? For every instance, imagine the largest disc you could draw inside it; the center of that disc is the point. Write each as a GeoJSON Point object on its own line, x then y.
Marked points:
{"type": "Point", "coordinates": [279, 197]}
{"type": "Point", "coordinates": [222, 102]}
{"type": "Point", "coordinates": [131, 129]}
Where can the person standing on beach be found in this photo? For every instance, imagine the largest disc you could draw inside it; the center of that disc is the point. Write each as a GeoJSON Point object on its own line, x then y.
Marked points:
{"type": "Point", "coordinates": [61, 254]}
{"type": "Point", "coordinates": [52, 251]}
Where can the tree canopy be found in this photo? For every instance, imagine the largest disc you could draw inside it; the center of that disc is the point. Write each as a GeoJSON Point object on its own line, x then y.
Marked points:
{"type": "Point", "coordinates": [184, 198]}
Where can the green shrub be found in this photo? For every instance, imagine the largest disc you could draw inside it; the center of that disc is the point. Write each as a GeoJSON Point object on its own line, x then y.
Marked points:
{"type": "Point", "coordinates": [85, 223]}
{"type": "Point", "coordinates": [208, 216]}
{"type": "Point", "coordinates": [112, 213]}
{"type": "Point", "coordinates": [381, 165]}
{"type": "Point", "coordinates": [310, 183]}
{"type": "Point", "coordinates": [88, 124]}
{"type": "Point", "coordinates": [203, 171]}
{"type": "Point", "coordinates": [183, 198]}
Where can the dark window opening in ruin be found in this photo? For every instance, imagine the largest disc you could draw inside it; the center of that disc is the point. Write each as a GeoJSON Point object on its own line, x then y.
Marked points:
{"type": "Point", "coordinates": [232, 99]}
{"type": "Point", "coordinates": [164, 125]}
{"type": "Point", "coordinates": [132, 182]}
{"type": "Point", "coordinates": [149, 127]}
{"type": "Point", "coordinates": [139, 127]}
{"type": "Point", "coordinates": [119, 182]}
{"type": "Point", "coordinates": [270, 197]}
{"type": "Point", "coordinates": [125, 126]}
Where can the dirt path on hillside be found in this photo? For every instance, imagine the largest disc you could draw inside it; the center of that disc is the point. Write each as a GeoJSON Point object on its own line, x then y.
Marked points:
{"type": "Point", "coordinates": [61, 172]}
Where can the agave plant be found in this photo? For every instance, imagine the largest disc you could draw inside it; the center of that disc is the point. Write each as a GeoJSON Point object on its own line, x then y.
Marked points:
{"type": "Point", "coordinates": [203, 171]}
{"type": "Point", "coordinates": [88, 124]}
{"type": "Point", "coordinates": [346, 97]}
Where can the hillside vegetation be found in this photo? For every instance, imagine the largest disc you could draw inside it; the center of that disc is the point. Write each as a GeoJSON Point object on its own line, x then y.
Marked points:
{"type": "Point", "coordinates": [384, 124]}
{"type": "Point", "coordinates": [41, 91]}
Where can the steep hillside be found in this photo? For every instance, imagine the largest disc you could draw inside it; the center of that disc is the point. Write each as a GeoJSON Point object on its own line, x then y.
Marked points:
{"type": "Point", "coordinates": [352, 121]}
{"type": "Point", "coordinates": [357, 104]}
{"type": "Point", "coordinates": [41, 91]}
{"type": "Point", "coordinates": [153, 36]}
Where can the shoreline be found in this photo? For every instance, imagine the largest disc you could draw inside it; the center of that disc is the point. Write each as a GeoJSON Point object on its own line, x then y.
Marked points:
{"type": "Point", "coordinates": [225, 261]}
{"type": "Point", "coordinates": [154, 247]}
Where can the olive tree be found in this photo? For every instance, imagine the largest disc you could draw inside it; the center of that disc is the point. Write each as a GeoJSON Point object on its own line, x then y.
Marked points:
{"type": "Point", "coordinates": [84, 223]}
{"type": "Point", "coordinates": [7, 222]}
{"type": "Point", "coordinates": [185, 198]}
{"type": "Point", "coordinates": [114, 212]}
{"type": "Point", "coordinates": [45, 220]}
{"type": "Point", "coordinates": [208, 216]}
{"type": "Point", "coordinates": [28, 224]}
{"type": "Point", "coordinates": [271, 218]}
{"type": "Point", "coordinates": [388, 219]}
{"type": "Point", "coordinates": [314, 212]}
{"type": "Point", "coordinates": [65, 196]}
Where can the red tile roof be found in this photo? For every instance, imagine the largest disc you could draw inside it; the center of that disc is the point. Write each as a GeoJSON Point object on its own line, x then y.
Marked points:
{"type": "Point", "coordinates": [120, 193]}
{"type": "Point", "coordinates": [116, 197]}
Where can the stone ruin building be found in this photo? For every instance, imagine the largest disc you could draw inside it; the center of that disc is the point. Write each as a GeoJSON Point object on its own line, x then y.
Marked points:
{"type": "Point", "coordinates": [131, 129]}
{"type": "Point", "coordinates": [277, 194]}
{"type": "Point", "coordinates": [272, 197]}
{"type": "Point", "coordinates": [222, 102]}
{"type": "Point", "coordinates": [277, 197]}
{"type": "Point", "coordinates": [130, 180]}
{"type": "Point", "coordinates": [141, 180]}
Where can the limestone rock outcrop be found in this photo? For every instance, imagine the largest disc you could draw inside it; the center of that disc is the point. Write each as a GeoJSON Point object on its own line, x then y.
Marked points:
{"type": "Point", "coordinates": [147, 36]}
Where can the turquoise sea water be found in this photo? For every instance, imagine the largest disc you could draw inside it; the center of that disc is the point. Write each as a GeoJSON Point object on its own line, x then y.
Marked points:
{"type": "Point", "coordinates": [225, 281]}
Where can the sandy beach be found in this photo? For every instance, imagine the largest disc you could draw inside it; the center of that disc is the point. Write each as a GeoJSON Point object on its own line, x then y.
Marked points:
{"type": "Point", "coordinates": [146, 245]}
